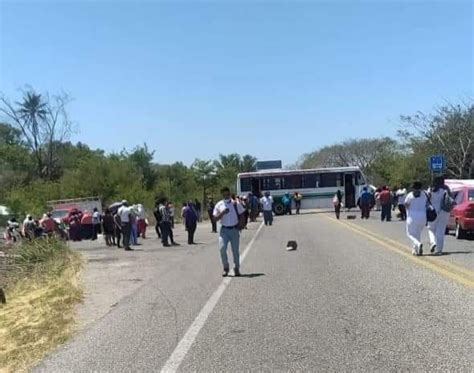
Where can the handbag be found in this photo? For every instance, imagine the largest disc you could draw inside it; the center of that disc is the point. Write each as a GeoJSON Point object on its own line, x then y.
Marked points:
{"type": "Point", "coordinates": [431, 213]}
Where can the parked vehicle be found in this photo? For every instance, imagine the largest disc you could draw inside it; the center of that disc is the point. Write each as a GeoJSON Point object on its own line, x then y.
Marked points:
{"type": "Point", "coordinates": [60, 209]}
{"type": "Point", "coordinates": [461, 219]}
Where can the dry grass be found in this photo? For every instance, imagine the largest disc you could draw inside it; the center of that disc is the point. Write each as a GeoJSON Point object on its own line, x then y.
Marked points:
{"type": "Point", "coordinates": [39, 314]}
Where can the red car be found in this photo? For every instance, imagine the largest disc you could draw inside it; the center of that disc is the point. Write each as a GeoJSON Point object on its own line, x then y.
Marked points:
{"type": "Point", "coordinates": [461, 219]}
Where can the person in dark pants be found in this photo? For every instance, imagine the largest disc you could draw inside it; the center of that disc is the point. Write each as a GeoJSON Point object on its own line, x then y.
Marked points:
{"type": "Point", "coordinates": [191, 219]}
{"type": "Point", "coordinates": [366, 202]}
{"type": "Point", "coordinates": [210, 210]}
{"type": "Point", "coordinates": [117, 229]}
{"type": "Point", "coordinates": [337, 202]}
{"type": "Point", "coordinates": [108, 223]}
{"type": "Point", "coordinates": [96, 219]}
{"type": "Point", "coordinates": [125, 213]}
{"type": "Point", "coordinates": [286, 200]}
{"type": "Point", "coordinates": [157, 214]}
{"type": "Point", "coordinates": [166, 230]}
{"type": "Point", "coordinates": [386, 202]}
{"type": "Point", "coordinates": [297, 197]}
{"type": "Point", "coordinates": [401, 195]}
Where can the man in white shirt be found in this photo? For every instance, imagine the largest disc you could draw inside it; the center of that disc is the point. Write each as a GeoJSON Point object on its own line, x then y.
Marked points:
{"type": "Point", "coordinates": [124, 213]}
{"type": "Point", "coordinates": [401, 195]}
{"type": "Point", "coordinates": [228, 212]}
{"type": "Point", "coordinates": [267, 207]}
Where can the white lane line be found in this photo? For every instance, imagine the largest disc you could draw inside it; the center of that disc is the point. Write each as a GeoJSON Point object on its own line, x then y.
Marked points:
{"type": "Point", "coordinates": [187, 341]}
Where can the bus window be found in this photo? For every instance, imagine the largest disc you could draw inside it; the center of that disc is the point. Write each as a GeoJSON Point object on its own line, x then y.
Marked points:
{"type": "Point", "coordinates": [359, 179]}
{"type": "Point", "coordinates": [273, 183]}
{"type": "Point", "coordinates": [256, 186]}
{"type": "Point", "coordinates": [332, 179]}
{"type": "Point", "coordinates": [309, 181]}
{"type": "Point", "coordinates": [245, 185]}
{"type": "Point", "coordinates": [293, 182]}
{"type": "Point", "coordinates": [279, 183]}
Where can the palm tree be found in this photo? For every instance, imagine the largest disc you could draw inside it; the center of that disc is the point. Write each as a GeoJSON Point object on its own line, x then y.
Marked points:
{"type": "Point", "coordinates": [33, 110]}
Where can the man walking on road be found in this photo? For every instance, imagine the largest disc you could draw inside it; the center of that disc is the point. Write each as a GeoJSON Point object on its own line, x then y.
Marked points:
{"type": "Point", "coordinates": [228, 212]}
{"type": "Point", "coordinates": [165, 225]}
{"type": "Point", "coordinates": [386, 202]}
{"type": "Point", "coordinates": [124, 213]}
{"type": "Point", "coordinates": [210, 211]}
{"type": "Point", "coordinates": [190, 218]}
{"type": "Point", "coordinates": [267, 207]}
{"type": "Point", "coordinates": [402, 194]}
{"type": "Point", "coordinates": [366, 203]}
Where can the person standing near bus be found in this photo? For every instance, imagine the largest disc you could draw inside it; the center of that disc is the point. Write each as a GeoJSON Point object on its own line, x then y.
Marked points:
{"type": "Point", "coordinates": [337, 202]}
{"type": "Point", "coordinates": [366, 202]}
{"type": "Point", "coordinates": [286, 200]}
{"type": "Point", "coordinates": [267, 207]}
{"type": "Point", "coordinates": [297, 197]}
{"type": "Point", "coordinates": [229, 212]}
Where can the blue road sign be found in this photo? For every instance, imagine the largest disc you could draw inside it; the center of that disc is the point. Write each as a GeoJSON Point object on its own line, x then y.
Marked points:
{"type": "Point", "coordinates": [437, 163]}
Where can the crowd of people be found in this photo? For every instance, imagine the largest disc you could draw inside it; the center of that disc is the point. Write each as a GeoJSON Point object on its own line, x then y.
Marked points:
{"type": "Point", "coordinates": [123, 225]}
{"type": "Point", "coordinates": [419, 208]}
{"type": "Point", "coordinates": [32, 228]}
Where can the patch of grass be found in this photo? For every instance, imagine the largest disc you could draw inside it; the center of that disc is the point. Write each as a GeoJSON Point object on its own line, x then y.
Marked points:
{"type": "Point", "coordinates": [39, 313]}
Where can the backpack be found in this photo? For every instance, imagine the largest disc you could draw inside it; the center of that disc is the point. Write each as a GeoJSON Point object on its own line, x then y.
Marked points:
{"type": "Point", "coordinates": [241, 217]}
{"type": "Point", "coordinates": [447, 202]}
{"type": "Point", "coordinates": [157, 214]}
{"type": "Point", "coordinates": [431, 214]}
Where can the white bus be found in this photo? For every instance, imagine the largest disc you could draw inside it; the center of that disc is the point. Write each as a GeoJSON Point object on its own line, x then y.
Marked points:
{"type": "Point", "coordinates": [318, 186]}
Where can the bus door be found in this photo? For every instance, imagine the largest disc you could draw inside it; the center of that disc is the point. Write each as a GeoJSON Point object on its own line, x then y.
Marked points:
{"type": "Point", "coordinates": [256, 187]}
{"type": "Point", "coordinates": [349, 190]}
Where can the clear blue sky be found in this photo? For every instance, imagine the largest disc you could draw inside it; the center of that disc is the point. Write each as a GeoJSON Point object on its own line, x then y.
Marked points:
{"type": "Point", "coordinates": [274, 79]}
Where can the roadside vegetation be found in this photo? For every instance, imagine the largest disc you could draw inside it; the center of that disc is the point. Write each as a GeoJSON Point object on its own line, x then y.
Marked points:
{"type": "Point", "coordinates": [42, 287]}
{"type": "Point", "coordinates": [38, 163]}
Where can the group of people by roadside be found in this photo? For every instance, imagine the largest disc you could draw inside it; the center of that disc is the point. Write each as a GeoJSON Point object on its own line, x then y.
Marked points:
{"type": "Point", "coordinates": [32, 228]}
{"type": "Point", "coordinates": [419, 208]}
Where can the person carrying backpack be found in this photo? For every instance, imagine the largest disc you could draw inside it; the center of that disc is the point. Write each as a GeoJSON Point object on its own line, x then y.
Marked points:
{"type": "Point", "coordinates": [443, 203]}
{"type": "Point", "coordinates": [158, 218]}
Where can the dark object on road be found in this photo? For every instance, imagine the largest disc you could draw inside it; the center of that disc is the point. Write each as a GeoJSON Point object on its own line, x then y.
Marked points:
{"type": "Point", "coordinates": [351, 217]}
{"type": "Point", "coordinates": [291, 246]}
{"type": "Point", "coordinates": [3, 299]}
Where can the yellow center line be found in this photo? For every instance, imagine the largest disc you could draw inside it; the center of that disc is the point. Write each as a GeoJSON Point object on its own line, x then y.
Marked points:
{"type": "Point", "coordinates": [448, 265]}
{"type": "Point", "coordinates": [464, 276]}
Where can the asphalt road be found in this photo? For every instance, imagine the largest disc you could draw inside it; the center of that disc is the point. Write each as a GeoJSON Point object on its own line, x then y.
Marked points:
{"type": "Point", "coordinates": [350, 298]}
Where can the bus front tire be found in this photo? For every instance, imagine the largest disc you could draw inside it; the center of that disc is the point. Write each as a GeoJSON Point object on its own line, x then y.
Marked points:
{"type": "Point", "coordinates": [279, 209]}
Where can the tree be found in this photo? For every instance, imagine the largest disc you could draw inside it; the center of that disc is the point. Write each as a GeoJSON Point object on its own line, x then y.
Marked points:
{"type": "Point", "coordinates": [248, 163]}
{"type": "Point", "coordinates": [362, 153]}
{"type": "Point", "coordinates": [43, 123]}
{"type": "Point", "coordinates": [142, 158]}
{"type": "Point", "coordinates": [204, 172]}
{"type": "Point", "coordinates": [449, 131]}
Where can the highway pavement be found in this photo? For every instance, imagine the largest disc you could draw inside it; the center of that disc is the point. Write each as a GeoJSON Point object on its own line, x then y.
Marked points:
{"type": "Point", "coordinates": [350, 298]}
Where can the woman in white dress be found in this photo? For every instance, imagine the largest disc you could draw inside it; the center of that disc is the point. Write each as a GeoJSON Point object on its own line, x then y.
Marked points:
{"type": "Point", "coordinates": [415, 203]}
{"type": "Point", "coordinates": [437, 228]}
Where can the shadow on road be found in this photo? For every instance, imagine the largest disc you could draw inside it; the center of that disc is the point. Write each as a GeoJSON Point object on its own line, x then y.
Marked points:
{"type": "Point", "coordinates": [252, 275]}
{"type": "Point", "coordinates": [457, 252]}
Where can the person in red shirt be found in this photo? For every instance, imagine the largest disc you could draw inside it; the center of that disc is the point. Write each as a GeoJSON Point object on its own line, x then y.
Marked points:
{"type": "Point", "coordinates": [48, 224]}
{"type": "Point", "coordinates": [386, 202]}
